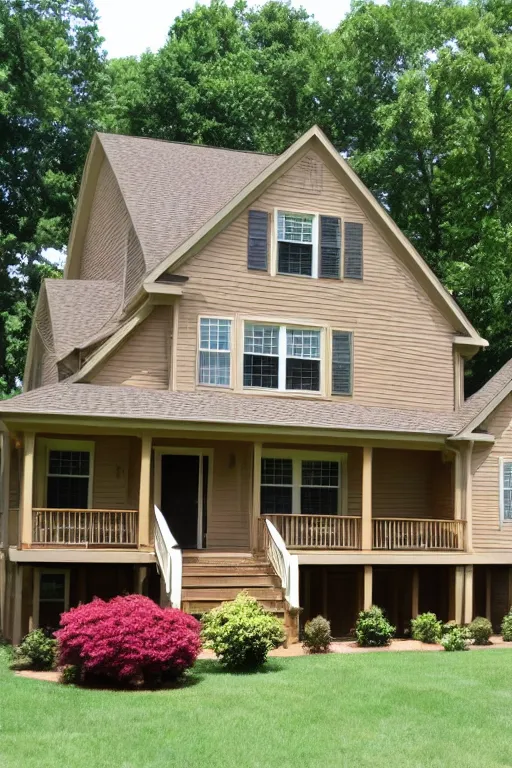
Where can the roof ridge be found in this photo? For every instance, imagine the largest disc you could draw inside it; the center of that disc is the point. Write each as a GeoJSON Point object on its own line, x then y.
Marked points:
{"type": "Point", "coordinates": [189, 144]}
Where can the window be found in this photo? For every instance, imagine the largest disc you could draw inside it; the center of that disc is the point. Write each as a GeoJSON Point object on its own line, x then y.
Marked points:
{"type": "Point", "coordinates": [296, 244]}
{"type": "Point", "coordinates": [506, 489]}
{"type": "Point", "coordinates": [51, 597]}
{"type": "Point", "coordinates": [215, 351]}
{"type": "Point", "coordinates": [301, 484]}
{"type": "Point", "coordinates": [68, 479]}
{"type": "Point", "coordinates": [281, 358]}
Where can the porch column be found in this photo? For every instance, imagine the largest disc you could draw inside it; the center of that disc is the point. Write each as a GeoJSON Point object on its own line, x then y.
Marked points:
{"type": "Point", "coordinates": [5, 465]}
{"type": "Point", "coordinates": [488, 593]}
{"type": "Point", "coordinates": [366, 509]}
{"type": "Point", "coordinates": [139, 576]}
{"type": "Point", "coordinates": [468, 496]}
{"type": "Point", "coordinates": [368, 587]}
{"type": "Point", "coordinates": [415, 606]}
{"type": "Point", "coordinates": [256, 495]}
{"type": "Point", "coordinates": [18, 595]}
{"type": "Point", "coordinates": [27, 489]}
{"type": "Point", "coordinates": [145, 491]}
{"type": "Point", "coordinates": [459, 593]}
{"type": "Point", "coordinates": [468, 594]}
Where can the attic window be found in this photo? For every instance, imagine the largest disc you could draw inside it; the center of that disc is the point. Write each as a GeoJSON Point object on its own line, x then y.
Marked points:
{"type": "Point", "coordinates": [297, 251]}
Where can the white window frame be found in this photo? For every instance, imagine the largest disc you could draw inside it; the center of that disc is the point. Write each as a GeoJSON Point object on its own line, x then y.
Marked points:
{"type": "Point", "coordinates": [38, 572]}
{"type": "Point", "coordinates": [503, 520]}
{"type": "Point", "coordinates": [315, 235]}
{"type": "Point", "coordinates": [84, 446]}
{"type": "Point", "coordinates": [230, 352]}
{"type": "Point", "coordinates": [297, 458]}
{"type": "Point", "coordinates": [282, 357]}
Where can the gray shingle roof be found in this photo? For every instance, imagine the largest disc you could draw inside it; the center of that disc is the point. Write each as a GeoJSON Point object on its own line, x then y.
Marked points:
{"type": "Point", "coordinates": [497, 386]}
{"type": "Point", "coordinates": [80, 310]}
{"type": "Point", "coordinates": [172, 189]}
{"type": "Point", "coordinates": [212, 408]}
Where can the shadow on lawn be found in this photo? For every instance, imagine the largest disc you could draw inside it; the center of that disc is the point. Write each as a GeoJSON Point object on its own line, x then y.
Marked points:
{"type": "Point", "coordinates": [214, 667]}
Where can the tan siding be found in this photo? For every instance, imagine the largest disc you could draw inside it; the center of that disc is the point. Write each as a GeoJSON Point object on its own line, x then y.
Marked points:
{"type": "Point", "coordinates": [486, 496]}
{"type": "Point", "coordinates": [403, 346]}
{"type": "Point", "coordinates": [228, 520]}
{"type": "Point", "coordinates": [108, 229]}
{"type": "Point", "coordinates": [143, 359]}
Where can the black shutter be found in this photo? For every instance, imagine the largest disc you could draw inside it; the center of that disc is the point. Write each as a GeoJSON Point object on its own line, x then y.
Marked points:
{"type": "Point", "coordinates": [341, 363]}
{"type": "Point", "coordinates": [257, 247]}
{"type": "Point", "coordinates": [353, 253]}
{"type": "Point", "coordinates": [330, 246]}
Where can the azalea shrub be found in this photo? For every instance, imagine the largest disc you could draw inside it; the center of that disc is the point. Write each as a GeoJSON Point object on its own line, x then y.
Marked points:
{"type": "Point", "coordinates": [128, 639]}
{"type": "Point", "coordinates": [373, 629]}
{"type": "Point", "coordinates": [427, 628]}
{"type": "Point", "coordinates": [242, 632]}
{"type": "Point", "coordinates": [317, 635]}
{"type": "Point", "coordinates": [36, 651]}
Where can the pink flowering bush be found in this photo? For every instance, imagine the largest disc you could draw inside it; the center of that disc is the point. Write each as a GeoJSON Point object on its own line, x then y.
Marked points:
{"type": "Point", "coordinates": [128, 639]}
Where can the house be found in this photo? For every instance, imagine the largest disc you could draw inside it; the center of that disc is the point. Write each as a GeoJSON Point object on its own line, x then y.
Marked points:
{"type": "Point", "coordinates": [249, 379]}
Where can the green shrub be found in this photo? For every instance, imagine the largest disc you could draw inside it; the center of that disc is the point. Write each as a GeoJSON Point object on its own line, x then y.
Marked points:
{"type": "Point", "coordinates": [449, 627]}
{"type": "Point", "coordinates": [317, 635]}
{"type": "Point", "coordinates": [373, 629]}
{"type": "Point", "coordinates": [242, 632]}
{"type": "Point", "coordinates": [36, 651]}
{"type": "Point", "coordinates": [426, 628]}
{"type": "Point", "coordinates": [480, 630]}
{"type": "Point", "coordinates": [506, 626]}
{"type": "Point", "coordinates": [70, 675]}
{"type": "Point", "coordinates": [456, 640]}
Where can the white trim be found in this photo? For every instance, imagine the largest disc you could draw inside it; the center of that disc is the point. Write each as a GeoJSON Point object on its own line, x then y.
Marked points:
{"type": "Point", "coordinates": [297, 457]}
{"type": "Point", "coordinates": [503, 520]}
{"type": "Point", "coordinates": [159, 451]}
{"type": "Point", "coordinates": [38, 572]}
{"type": "Point", "coordinates": [56, 444]}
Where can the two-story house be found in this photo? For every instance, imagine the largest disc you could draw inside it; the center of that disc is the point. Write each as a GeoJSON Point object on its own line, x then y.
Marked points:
{"type": "Point", "coordinates": [249, 379]}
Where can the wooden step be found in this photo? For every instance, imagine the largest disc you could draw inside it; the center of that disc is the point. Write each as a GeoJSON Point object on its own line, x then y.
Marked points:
{"type": "Point", "coordinates": [202, 606]}
{"type": "Point", "coordinates": [228, 570]}
{"type": "Point", "coordinates": [229, 593]}
{"type": "Point", "coordinates": [236, 581]}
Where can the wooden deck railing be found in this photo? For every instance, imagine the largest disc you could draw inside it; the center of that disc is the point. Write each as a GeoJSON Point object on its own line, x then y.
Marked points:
{"type": "Point", "coordinates": [85, 527]}
{"type": "Point", "coordinates": [414, 534]}
{"type": "Point", "coordinates": [318, 531]}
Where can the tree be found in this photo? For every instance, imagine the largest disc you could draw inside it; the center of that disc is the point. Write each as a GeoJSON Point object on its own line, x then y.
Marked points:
{"type": "Point", "coordinates": [52, 91]}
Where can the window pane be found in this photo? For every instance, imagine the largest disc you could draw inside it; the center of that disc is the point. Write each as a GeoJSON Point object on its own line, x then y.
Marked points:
{"type": "Point", "coordinates": [507, 474]}
{"type": "Point", "coordinates": [215, 334]}
{"type": "Point", "coordinates": [67, 492]}
{"type": "Point", "coordinates": [69, 463]}
{"type": "Point", "coordinates": [319, 501]}
{"type": "Point", "coordinates": [320, 473]}
{"type": "Point", "coordinates": [261, 371]}
{"type": "Point", "coordinates": [261, 339]}
{"type": "Point", "coordinates": [52, 586]}
{"type": "Point", "coordinates": [214, 368]}
{"type": "Point", "coordinates": [276, 500]}
{"type": "Point", "coordinates": [303, 374]}
{"type": "Point", "coordinates": [295, 259]}
{"type": "Point", "coordinates": [295, 228]}
{"type": "Point", "coordinates": [276, 471]}
{"type": "Point", "coordinates": [305, 344]}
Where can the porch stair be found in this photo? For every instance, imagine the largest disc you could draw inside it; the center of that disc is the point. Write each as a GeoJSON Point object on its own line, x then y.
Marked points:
{"type": "Point", "coordinates": [209, 580]}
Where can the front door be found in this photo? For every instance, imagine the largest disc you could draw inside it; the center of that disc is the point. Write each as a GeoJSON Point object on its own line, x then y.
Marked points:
{"type": "Point", "coordinates": [180, 498]}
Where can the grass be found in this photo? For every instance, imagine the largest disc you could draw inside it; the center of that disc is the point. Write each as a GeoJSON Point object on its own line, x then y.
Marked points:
{"type": "Point", "coordinates": [420, 710]}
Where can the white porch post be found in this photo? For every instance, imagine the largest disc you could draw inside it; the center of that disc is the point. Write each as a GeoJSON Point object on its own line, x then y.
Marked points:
{"type": "Point", "coordinates": [27, 490]}
{"type": "Point", "coordinates": [145, 491]}
{"type": "Point", "coordinates": [366, 509]}
{"type": "Point", "coordinates": [368, 587]}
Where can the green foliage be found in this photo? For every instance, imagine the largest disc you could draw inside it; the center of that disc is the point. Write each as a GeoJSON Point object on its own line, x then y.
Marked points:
{"type": "Point", "coordinates": [426, 628]}
{"type": "Point", "coordinates": [373, 629]}
{"type": "Point", "coordinates": [480, 630]}
{"type": "Point", "coordinates": [242, 632]}
{"type": "Point", "coordinates": [317, 635]}
{"type": "Point", "coordinates": [71, 674]}
{"type": "Point", "coordinates": [456, 640]}
{"type": "Point", "coordinates": [506, 626]}
{"type": "Point", "coordinates": [36, 651]}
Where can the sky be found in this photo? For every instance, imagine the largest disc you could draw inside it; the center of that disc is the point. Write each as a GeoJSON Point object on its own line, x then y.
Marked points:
{"type": "Point", "coordinates": [132, 26]}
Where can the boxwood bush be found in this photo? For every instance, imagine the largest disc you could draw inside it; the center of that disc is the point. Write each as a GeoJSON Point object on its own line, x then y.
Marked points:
{"type": "Point", "coordinates": [36, 651]}
{"type": "Point", "coordinates": [242, 632]}
{"type": "Point", "coordinates": [456, 640]}
{"type": "Point", "coordinates": [480, 630]}
{"type": "Point", "coordinates": [373, 629]}
{"type": "Point", "coordinates": [128, 639]}
{"type": "Point", "coordinates": [427, 628]}
{"type": "Point", "coordinates": [506, 626]}
{"type": "Point", "coordinates": [317, 635]}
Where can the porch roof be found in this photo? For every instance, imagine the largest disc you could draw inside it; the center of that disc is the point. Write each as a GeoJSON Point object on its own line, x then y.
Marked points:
{"type": "Point", "coordinates": [124, 402]}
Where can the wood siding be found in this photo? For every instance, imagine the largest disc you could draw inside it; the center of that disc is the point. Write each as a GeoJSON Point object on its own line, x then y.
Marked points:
{"type": "Point", "coordinates": [488, 535]}
{"type": "Point", "coordinates": [402, 345]}
{"type": "Point", "coordinates": [143, 359]}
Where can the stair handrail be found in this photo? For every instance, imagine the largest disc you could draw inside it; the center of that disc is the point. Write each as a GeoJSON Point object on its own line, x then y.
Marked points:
{"type": "Point", "coordinates": [285, 565]}
{"type": "Point", "coordinates": [169, 559]}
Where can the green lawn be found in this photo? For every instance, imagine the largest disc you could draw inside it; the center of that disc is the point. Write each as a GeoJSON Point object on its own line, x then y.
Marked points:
{"type": "Point", "coordinates": [392, 710]}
